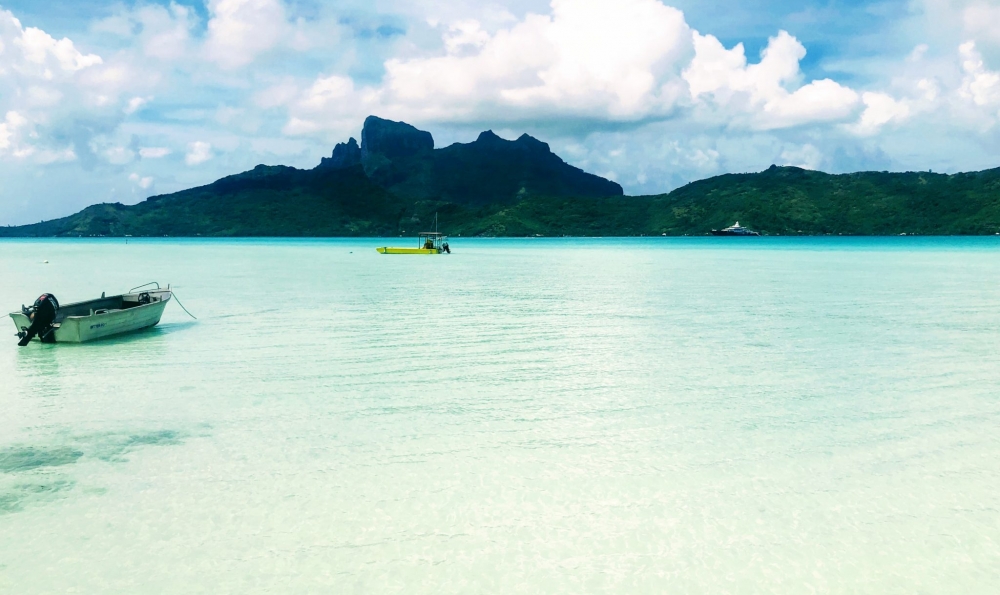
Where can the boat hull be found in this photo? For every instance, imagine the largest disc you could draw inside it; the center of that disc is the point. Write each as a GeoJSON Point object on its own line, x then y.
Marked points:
{"type": "Point", "coordinates": [102, 323]}
{"type": "Point", "coordinates": [722, 232]}
{"type": "Point", "coordinates": [390, 250]}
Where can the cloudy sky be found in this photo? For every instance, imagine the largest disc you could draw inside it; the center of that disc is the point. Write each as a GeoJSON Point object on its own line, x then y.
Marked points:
{"type": "Point", "coordinates": [114, 101]}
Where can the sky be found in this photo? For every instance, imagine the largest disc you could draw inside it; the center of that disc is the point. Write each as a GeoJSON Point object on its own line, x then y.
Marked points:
{"type": "Point", "coordinates": [116, 101]}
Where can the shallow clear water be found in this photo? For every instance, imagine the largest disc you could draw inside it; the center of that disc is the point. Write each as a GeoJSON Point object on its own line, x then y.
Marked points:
{"type": "Point", "coordinates": [774, 415]}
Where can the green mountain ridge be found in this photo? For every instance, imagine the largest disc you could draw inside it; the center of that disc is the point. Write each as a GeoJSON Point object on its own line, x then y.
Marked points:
{"type": "Point", "coordinates": [395, 182]}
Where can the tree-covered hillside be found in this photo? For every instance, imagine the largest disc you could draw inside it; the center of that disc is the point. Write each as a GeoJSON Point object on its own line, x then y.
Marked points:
{"type": "Point", "coordinates": [395, 181]}
{"type": "Point", "coordinates": [281, 201]}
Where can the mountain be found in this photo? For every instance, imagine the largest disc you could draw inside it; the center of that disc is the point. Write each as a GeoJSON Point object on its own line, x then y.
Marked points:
{"type": "Point", "coordinates": [790, 200]}
{"type": "Point", "coordinates": [777, 201]}
{"type": "Point", "coordinates": [395, 182]}
{"type": "Point", "coordinates": [265, 201]}
{"type": "Point", "coordinates": [489, 170]}
{"type": "Point", "coordinates": [378, 188]}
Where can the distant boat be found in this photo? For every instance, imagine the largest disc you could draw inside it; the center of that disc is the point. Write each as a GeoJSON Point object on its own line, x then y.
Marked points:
{"type": "Point", "coordinates": [428, 242]}
{"type": "Point", "coordinates": [734, 230]}
{"type": "Point", "coordinates": [96, 319]}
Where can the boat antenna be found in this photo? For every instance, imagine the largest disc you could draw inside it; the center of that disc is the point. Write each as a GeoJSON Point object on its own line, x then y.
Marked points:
{"type": "Point", "coordinates": [435, 222]}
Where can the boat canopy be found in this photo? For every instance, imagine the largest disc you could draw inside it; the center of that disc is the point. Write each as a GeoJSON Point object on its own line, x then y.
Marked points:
{"type": "Point", "coordinates": [432, 240]}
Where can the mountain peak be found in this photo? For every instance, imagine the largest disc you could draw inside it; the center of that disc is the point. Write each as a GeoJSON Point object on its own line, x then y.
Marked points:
{"type": "Point", "coordinates": [344, 155]}
{"type": "Point", "coordinates": [392, 139]}
{"type": "Point", "coordinates": [487, 136]}
{"type": "Point", "coordinates": [528, 141]}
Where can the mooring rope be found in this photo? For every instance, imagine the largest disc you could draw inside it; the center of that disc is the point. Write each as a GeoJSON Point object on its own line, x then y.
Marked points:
{"type": "Point", "coordinates": [182, 305]}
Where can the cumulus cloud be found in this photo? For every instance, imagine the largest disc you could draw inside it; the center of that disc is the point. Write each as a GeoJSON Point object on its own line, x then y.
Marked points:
{"type": "Point", "coordinates": [40, 49]}
{"type": "Point", "coordinates": [758, 95]}
{"type": "Point", "coordinates": [573, 65]}
{"type": "Point", "coordinates": [10, 126]}
{"type": "Point", "coordinates": [623, 87]}
{"type": "Point", "coordinates": [573, 61]}
{"type": "Point", "coordinates": [62, 96]}
{"type": "Point", "coordinates": [327, 91]}
{"type": "Point", "coordinates": [30, 54]}
{"type": "Point", "coordinates": [806, 156]}
{"type": "Point", "coordinates": [16, 134]}
{"type": "Point", "coordinates": [135, 104]}
{"type": "Point", "coordinates": [143, 182]}
{"type": "Point", "coordinates": [982, 20]}
{"type": "Point", "coordinates": [198, 152]}
{"type": "Point", "coordinates": [465, 35]}
{"type": "Point", "coordinates": [239, 30]}
{"type": "Point", "coordinates": [159, 32]}
{"type": "Point", "coordinates": [979, 85]}
{"type": "Point", "coordinates": [880, 109]}
{"type": "Point", "coordinates": [166, 31]}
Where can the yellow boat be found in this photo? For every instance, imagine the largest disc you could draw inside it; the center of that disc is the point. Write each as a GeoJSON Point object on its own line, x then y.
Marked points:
{"type": "Point", "coordinates": [428, 242]}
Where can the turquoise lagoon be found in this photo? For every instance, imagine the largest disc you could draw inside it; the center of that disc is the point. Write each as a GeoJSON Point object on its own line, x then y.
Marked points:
{"type": "Point", "coordinates": [655, 415]}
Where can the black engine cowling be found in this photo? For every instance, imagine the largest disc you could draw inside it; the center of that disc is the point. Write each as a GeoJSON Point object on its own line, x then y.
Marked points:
{"type": "Point", "coordinates": [42, 314]}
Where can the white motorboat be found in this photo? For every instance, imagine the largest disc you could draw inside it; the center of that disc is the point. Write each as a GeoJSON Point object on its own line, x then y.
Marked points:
{"type": "Point", "coordinates": [734, 230]}
{"type": "Point", "coordinates": [97, 319]}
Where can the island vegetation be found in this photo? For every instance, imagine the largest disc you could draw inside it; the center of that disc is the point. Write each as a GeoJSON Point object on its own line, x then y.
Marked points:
{"type": "Point", "coordinates": [395, 182]}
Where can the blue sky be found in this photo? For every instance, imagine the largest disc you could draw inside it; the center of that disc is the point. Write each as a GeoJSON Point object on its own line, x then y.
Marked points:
{"type": "Point", "coordinates": [116, 101]}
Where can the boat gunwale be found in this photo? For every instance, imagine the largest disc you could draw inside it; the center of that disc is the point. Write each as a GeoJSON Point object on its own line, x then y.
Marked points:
{"type": "Point", "coordinates": [111, 297]}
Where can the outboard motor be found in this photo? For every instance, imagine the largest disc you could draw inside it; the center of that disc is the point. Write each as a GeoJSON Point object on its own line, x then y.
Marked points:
{"type": "Point", "coordinates": [42, 314]}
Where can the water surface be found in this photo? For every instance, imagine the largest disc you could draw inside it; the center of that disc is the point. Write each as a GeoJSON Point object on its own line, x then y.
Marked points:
{"type": "Point", "coordinates": [767, 415]}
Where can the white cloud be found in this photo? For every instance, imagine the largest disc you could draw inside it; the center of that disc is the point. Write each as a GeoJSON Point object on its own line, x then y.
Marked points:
{"type": "Point", "coordinates": [154, 152]}
{"type": "Point", "coordinates": [589, 57]}
{"type": "Point", "coordinates": [142, 182]}
{"type": "Point", "coordinates": [703, 159]}
{"type": "Point", "coordinates": [327, 91]}
{"type": "Point", "coordinates": [806, 156]}
{"type": "Point", "coordinates": [573, 64]}
{"type": "Point", "coordinates": [160, 32]}
{"type": "Point", "coordinates": [40, 48]}
{"type": "Point", "coordinates": [166, 31]}
{"type": "Point", "coordinates": [928, 88]}
{"type": "Point", "coordinates": [30, 53]}
{"type": "Point", "coordinates": [979, 85]}
{"type": "Point", "coordinates": [67, 96]}
{"type": "Point", "coordinates": [299, 127]}
{"type": "Point", "coordinates": [135, 104]}
{"type": "Point", "coordinates": [12, 122]}
{"type": "Point", "coordinates": [983, 20]}
{"type": "Point", "coordinates": [625, 84]}
{"type": "Point", "coordinates": [465, 35]}
{"type": "Point", "coordinates": [880, 109]}
{"type": "Point", "coordinates": [760, 91]}
{"type": "Point", "coordinates": [239, 30]}
{"type": "Point", "coordinates": [918, 53]}
{"type": "Point", "coordinates": [331, 103]}
{"type": "Point", "coordinates": [16, 134]}
{"type": "Point", "coordinates": [41, 96]}
{"type": "Point", "coordinates": [198, 152]}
